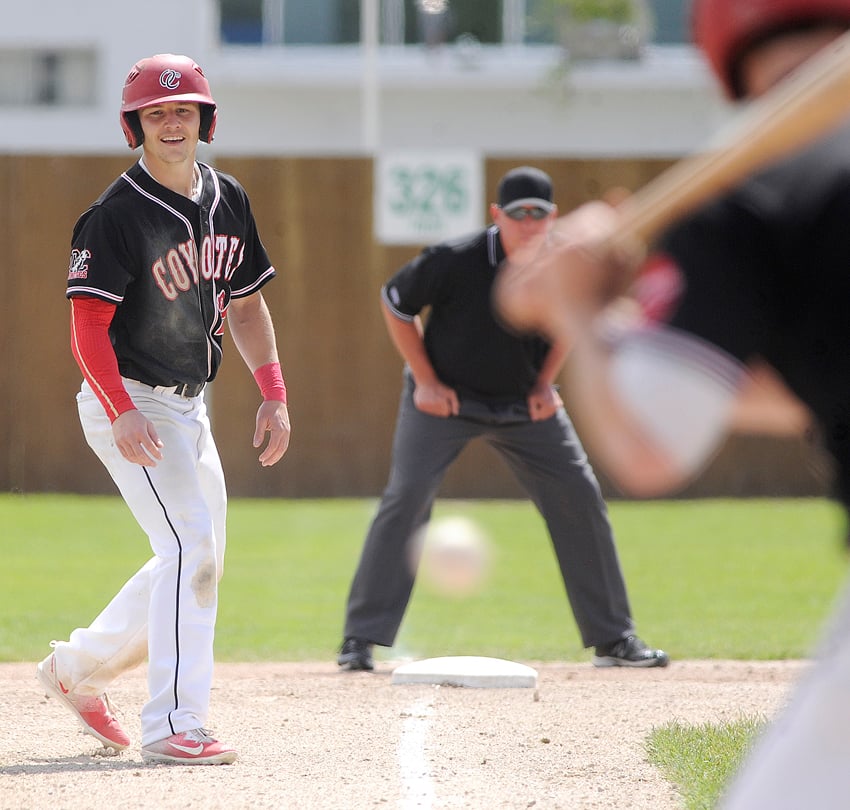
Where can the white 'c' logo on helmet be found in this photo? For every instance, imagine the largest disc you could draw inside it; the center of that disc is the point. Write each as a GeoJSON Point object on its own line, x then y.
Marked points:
{"type": "Point", "coordinates": [170, 79]}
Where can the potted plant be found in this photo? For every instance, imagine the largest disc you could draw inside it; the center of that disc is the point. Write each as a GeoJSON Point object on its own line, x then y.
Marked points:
{"type": "Point", "coordinates": [602, 29]}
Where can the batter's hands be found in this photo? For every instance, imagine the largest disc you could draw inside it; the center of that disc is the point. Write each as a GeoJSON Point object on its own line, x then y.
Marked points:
{"type": "Point", "coordinates": [543, 402]}
{"type": "Point", "coordinates": [272, 418]}
{"type": "Point", "coordinates": [557, 283]}
{"type": "Point", "coordinates": [136, 438]}
{"type": "Point", "coordinates": [436, 399]}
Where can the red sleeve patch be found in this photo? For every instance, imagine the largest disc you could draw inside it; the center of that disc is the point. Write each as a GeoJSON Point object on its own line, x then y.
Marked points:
{"type": "Point", "coordinates": [658, 287]}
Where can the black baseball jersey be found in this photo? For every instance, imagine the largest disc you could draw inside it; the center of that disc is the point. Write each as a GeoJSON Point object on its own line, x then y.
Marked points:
{"type": "Point", "coordinates": [767, 274]}
{"type": "Point", "coordinates": [171, 266]}
{"type": "Point", "coordinates": [469, 349]}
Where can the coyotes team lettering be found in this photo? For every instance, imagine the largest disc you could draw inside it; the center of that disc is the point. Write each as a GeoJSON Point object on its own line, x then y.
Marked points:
{"type": "Point", "coordinates": [178, 270]}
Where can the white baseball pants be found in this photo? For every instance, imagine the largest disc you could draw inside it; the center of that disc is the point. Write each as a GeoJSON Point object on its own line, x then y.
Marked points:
{"type": "Point", "coordinates": [167, 610]}
{"type": "Point", "coordinates": [802, 759]}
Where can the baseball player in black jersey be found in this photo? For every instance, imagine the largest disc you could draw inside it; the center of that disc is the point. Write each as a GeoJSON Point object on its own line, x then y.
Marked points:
{"type": "Point", "coordinates": [159, 263]}
{"type": "Point", "coordinates": [740, 324]}
{"type": "Point", "coordinates": [467, 377]}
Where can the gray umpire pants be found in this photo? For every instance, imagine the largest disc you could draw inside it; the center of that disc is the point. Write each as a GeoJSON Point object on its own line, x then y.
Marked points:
{"type": "Point", "coordinates": [550, 464]}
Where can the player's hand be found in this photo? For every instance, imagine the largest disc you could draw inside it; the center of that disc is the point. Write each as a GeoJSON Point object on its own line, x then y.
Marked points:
{"type": "Point", "coordinates": [272, 418]}
{"type": "Point", "coordinates": [557, 283]}
{"type": "Point", "coordinates": [543, 402]}
{"type": "Point", "coordinates": [136, 438]}
{"type": "Point", "coordinates": [436, 399]}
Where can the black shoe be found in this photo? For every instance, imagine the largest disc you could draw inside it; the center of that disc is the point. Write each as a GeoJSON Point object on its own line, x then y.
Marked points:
{"type": "Point", "coordinates": [356, 653]}
{"type": "Point", "coordinates": [629, 652]}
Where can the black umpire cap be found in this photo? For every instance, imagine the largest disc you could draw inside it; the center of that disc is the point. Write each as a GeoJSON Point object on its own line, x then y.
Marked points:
{"type": "Point", "coordinates": [525, 186]}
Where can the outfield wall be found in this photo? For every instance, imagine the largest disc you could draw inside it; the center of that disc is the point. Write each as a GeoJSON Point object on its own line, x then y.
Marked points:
{"type": "Point", "coordinates": [315, 216]}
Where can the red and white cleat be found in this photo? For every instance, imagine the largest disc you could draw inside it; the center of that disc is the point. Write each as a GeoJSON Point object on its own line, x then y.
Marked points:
{"type": "Point", "coordinates": [94, 713]}
{"type": "Point", "coordinates": [195, 747]}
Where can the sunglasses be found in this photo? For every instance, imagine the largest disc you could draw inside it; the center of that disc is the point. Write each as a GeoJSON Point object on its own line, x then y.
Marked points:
{"type": "Point", "coordinates": [535, 212]}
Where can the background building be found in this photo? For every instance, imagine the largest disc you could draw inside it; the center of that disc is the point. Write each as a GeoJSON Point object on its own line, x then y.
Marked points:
{"type": "Point", "coordinates": [320, 102]}
{"type": "Point", "coordinates": [293, 78]}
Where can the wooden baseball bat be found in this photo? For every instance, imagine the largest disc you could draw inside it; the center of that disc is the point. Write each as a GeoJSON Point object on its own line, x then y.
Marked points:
{"type": "Point", "coordinates": [804, 106]}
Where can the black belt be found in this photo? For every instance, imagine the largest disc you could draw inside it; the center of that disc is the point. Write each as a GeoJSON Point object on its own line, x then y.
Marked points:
{"type": "Point", "coordinates": [187, 390]}
{"type": "Point", "coordinates": [184, 390]}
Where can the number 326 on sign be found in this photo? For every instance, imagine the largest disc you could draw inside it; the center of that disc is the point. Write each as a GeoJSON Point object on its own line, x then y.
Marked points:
{"type": "Point", "coordinates": [421, 198]}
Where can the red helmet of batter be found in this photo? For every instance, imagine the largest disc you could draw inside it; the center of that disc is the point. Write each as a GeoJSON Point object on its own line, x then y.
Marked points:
{"type": "Point", "coordinates": [161, 78]}
{"type": "Point", "coordinates": [726, 29]}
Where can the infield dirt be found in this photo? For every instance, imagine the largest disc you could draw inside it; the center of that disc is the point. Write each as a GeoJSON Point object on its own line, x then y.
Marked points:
{"type": "Point", "coordinates": [312, 737]}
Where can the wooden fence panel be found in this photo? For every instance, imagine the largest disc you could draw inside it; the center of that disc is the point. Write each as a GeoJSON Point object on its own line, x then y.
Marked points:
{"type": "Point", "coordinates": [344, 376]}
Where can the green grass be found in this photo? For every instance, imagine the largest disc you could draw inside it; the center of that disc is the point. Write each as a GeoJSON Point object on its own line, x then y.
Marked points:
{"type": "Point", "coordinates": [747, 579]}
{"type": "Point", "coordinates": [743, 579]}
{"type": "Point", "coordinates": [700, 760]}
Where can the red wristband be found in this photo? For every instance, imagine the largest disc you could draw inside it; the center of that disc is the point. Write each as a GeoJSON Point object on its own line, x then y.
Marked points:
{"type": "Point", "coordinates": [270, 379]}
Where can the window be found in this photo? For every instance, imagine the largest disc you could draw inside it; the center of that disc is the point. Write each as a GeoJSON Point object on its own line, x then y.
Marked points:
{"type": "Point", "coordinates": [336, 22]}
{"type": "Point", "coordinates": [317, 22]}
{"type": "Point", "coordinates": [671, 21]}
{"type": "Point", "coordinates": [433, 21]}
{"type": "Point", "coordinates": [241, 21]}
{"type": "Point", "coordinates": [47, 78]}
{"type": "Point", "coordinates": [669, 17]}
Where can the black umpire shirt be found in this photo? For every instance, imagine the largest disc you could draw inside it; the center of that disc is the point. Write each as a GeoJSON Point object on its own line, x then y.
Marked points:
{"type": "Point", "coordinates": [470, 350]}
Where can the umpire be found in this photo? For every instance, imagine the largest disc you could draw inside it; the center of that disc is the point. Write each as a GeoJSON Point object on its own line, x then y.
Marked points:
{"type": "Point", "coordinates": [468, 377]}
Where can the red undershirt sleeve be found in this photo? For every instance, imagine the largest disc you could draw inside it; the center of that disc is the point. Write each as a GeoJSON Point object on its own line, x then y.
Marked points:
{"type": "Point", "coordinates": [92, 349]}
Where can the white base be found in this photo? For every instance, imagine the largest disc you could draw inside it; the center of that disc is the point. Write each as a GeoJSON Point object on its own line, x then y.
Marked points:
{"type": "Point", "coordinates": [466, 670]}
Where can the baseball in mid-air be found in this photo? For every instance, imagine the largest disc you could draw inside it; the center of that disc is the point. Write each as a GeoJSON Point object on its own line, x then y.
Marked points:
{"type": "Point", "coordinates": [454, 555]}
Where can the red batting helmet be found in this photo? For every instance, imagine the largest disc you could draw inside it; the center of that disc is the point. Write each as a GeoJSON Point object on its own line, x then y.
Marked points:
{"type": "Point", "coordinates": [726, 29]}
{"type": "Point", "coordinates": [161, 78]}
